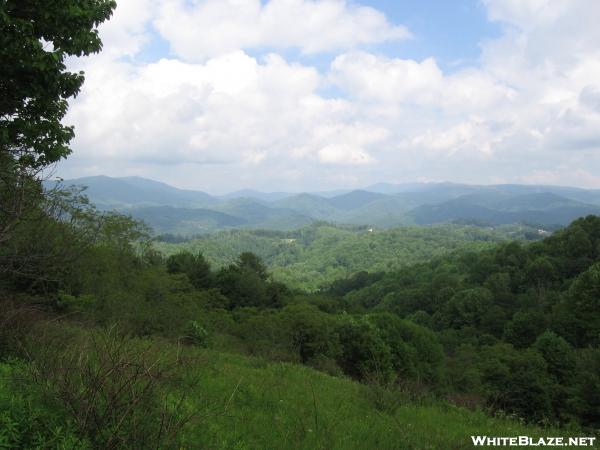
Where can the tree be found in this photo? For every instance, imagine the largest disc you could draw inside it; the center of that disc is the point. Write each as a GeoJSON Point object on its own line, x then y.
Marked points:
{"type": "Point", "coordinates": [364, 352]}
{"type": "Point", "coordinates": [195, 267]}
{"type": "Point", "coordinates": [249, 262]}
{"type": "Point", "coordinates": [311, 331]}
{"type": "Point", "coordinates": [524, 327]}
{"type": "Point", "coordinates": [586, 387]}
{"type": "Point", "coordinates": [561, 362]}
{"type": "Point", "coordinates": [577, 242]}
{"type": "Point", "coordinates": [576, 315]}
{"type": "Point", "coordinates": [499, 284]}
{"type": "Point", "coordinates": [242, 288]}
{"type": "Point", "coordinates": [558, 354]}
{"type": "Point", "coordinates": [516, 381]}
{"type": "Point", "coordinates": [36, 37]}
{"type": "Point", "coordinates": [466, 308]}
{"type": "Point", "coordinates": [245, 283]}
{"type": "Point", "coordinates": [541, 271]}
{"type": "Point", "coordinates": [49, 241]}
{"type": "Point", "coordinates": [416, 352]}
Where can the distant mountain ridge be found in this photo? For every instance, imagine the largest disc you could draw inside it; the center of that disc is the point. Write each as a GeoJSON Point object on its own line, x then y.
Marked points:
{"type": "Point", "coordinates": [135, 191]}
{"type": "Point", "coordinates": [171, 210]}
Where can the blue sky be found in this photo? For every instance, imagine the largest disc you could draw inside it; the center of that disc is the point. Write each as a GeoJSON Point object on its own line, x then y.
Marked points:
{"type": "Point", "coordinates": [320, 94]}
{"type": "Point", "coordinates": [450, 30]}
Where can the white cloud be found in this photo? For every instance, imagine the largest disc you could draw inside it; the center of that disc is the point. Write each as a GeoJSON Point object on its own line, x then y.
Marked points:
{"type": "Point", "coordinates": [208, 28]}
{"type": "Point", "coordinates": [127, 31]}
{"type": "Point", "coordinates": [222, 119]}
{"type": "Point", "coordinates": [403, 81]}
{"type": "Point", "coordinates": [378, 78]}
{"type": "Point", "coordinates": [472, 137]}
{"type": "Point", "coordinates": [233, 110]}
{"type": "Point", "coordinates": [590, 97]}
{"type": "Point", "coordinates": [550, 55]}
{"type": "Point", "coordinates": [344, 154]}
{"type": "Point", "coordinates": [577, 177]}
{"type": "Point", "coordinates": [526, 14]}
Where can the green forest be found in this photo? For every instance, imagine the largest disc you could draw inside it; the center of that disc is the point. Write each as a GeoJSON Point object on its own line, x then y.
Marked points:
{"type": "Point", "coordinates": [502, 338]}
{"type": "Point", "coordinates": [320, 338]}
{"type": "Point", "coordinates": [312, 257]}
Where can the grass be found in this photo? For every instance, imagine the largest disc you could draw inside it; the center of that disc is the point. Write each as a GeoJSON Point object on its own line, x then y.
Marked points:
{"type": "Point", "coordinates": [245, 403]}
{"type": "Point", "coordinates": [249, 404]}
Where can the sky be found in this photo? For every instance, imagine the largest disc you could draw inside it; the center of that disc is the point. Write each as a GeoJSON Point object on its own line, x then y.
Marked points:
{"type": "Point", "coordinates": [306, 95]}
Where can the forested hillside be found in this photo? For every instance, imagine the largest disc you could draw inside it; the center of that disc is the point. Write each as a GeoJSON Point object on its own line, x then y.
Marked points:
{"type": "Point", "coordinates": [311, 257]}
{"type": "Point", "coordinates": [511, 329]}
{"type": "Point", "coordinates": [520, 324]}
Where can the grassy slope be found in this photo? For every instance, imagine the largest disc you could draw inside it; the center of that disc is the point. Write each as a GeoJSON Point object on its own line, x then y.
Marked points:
{"type": "Point", "coordinates": [322, 254]}
{"type": "Point", "coordinates": [256, 405]}
{"type": "Point", "coordinates": [246, 403]}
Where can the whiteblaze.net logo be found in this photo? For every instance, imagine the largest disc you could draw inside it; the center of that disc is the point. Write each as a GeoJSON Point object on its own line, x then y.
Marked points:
{"type": "Point", "coordinates": [526, 441]}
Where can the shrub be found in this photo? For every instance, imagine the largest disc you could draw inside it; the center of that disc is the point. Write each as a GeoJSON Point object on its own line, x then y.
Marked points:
{"type": "Point", "coordinates": [197, 335]}
{"type": "Point", "coordinates": [17, 318]}
{"type": "Point", "coordinates": [117, 392]}
{"type": "Point", "coordinates": [28, 423]}
{"type": "Point", "coordinates": [364, 352]}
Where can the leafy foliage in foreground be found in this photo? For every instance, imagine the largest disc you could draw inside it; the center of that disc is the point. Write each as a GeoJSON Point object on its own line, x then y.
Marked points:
{"type": "Point", "coordinates": [36, 37]}
{"type": "Point", "coordinates": [26, 421]}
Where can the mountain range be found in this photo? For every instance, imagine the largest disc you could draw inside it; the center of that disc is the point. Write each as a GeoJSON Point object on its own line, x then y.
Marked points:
{"type": "Point", "coordinates": [171, 210]}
